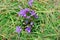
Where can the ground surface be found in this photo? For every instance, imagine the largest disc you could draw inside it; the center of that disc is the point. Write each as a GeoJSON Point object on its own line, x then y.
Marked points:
{"type": "Point", "coordinates": [48, 27]}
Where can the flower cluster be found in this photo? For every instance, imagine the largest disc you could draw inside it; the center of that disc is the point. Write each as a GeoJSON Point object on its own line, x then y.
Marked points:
{"type": "Point", "coordinates": [26, 11]}
{"type": "Point", "coordinates": [27, 14]}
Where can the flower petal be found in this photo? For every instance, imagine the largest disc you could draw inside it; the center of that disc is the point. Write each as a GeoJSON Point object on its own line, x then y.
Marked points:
{"type": "Point", "coordinates": [18, 29]}
{"type": "Point", "coordinates": [28, 29]}
{"type": "Point", "coordinates": [30, 2]}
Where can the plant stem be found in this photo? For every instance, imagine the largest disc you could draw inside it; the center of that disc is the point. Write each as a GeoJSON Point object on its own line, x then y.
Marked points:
{"type": "Point", "coordinates": [18, 36]}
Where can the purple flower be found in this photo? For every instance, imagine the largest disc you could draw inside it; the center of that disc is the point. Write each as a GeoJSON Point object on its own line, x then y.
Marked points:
{"type": "Point", "coordinates": [23, 12]}
{"type": "Point", "coordinates": [36, 16]}
{"type": "Point", "coordinates": [28, 17]}
{"type": "Point", "coordinates": [30, 2]}
{"type": "Point", "coordinates": [28, 29]}
{"type": "Point", "coordinates": [31, 23]}
{"type": "Point", "coordinates": [32, 13]}
{"type": "Point", "coordinates": [18, 29]}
